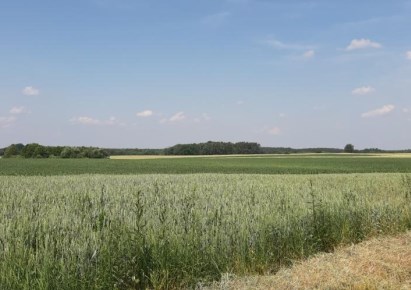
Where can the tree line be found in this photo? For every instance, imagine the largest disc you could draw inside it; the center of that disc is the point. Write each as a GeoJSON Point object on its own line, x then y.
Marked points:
{"type": "Point", "coordinates": [34, 150]}
{"type": "Point", "coordinates": [133, 151]}
{"type": "Point", "coordinates": [214, 148]}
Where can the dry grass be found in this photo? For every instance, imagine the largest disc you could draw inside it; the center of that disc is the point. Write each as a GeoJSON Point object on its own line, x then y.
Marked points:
{"type": "Point", "coordinates": [382, 263]}
{"type": "Point", "coordinates": [141, 157]}
{"type": "Point", "coordinates": [306, 155]}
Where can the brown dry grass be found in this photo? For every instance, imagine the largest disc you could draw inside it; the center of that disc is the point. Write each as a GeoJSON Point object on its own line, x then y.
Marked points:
{"type": "Point", "coordinates": [381, 263]}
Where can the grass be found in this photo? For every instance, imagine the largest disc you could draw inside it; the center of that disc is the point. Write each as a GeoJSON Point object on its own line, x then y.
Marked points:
{"type": "Point", "coordinates": [176, 231]}
{"type": "Point", "coordinates": [380, 263]}
{"type": "Point", "coordinates": [293, 164]}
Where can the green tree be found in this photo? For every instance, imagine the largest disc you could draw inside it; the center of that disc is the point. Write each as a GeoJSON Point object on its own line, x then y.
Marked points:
{"type": "Point", "coordinates": [11, 151]}
{"type": "Point", "coordinates": [29, 150]}
{"type": "Point", "coordinates": [349, 148]}
{"type": "Point", "coordinates": [41, 152]}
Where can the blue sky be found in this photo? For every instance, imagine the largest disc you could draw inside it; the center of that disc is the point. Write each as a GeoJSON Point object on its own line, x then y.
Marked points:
{"type": "Point", "coordinates": [153, 73]}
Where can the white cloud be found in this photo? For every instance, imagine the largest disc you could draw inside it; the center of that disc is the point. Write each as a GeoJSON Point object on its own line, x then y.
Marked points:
{"type": "Point", "coordinates": [177, 117]}
{"type": "Point", "coordinates": [406, 110]}
{"type": "Point", "coordinates": [365, 90]}
{"type": "Point", "coordinates": [204, 117]}
{"type": "Point", "coordinates": [240, 102]}
{"type": "Point", "coordinates": [18, 110]}
{"type": "Point", "coordinates": [408, 55]}
{"type": "Point", "coordinates": [362, 43]}
{"type": "Point", "coordinates": [30, 91]}
{"type": "Point", "coordinates": [286, 46]}
{"type": "Point", "coordinates": [274, 131]}
{"type": "Point", "coordinates": [94, 122]}
{"type": "Point", "coordinates": [379, 112]}
{"type": "Point", "coordinates": [216, 19]}
{"type": "Point", "coordinates": [144, 114]}
{"type": "Point", "coordinates": [309, 54]}
{"type": "Point", "coordinates": [85, 121]}
{"type": "Point", "coordinates": [180, 116]}
{"type": "Point", "coordinates": [113, 121]}
{"type": "Point", "coordinates": [7, 121]}
{"type": "Point", "coordinates": [282, 115]}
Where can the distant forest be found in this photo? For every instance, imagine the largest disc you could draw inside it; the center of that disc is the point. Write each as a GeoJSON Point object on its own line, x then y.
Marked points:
{"type": "Point", "coordinates": [34, 150]}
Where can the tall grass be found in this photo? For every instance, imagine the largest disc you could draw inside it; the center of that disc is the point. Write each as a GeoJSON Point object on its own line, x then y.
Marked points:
{"type": "Point", "coordinates": [174, 231]}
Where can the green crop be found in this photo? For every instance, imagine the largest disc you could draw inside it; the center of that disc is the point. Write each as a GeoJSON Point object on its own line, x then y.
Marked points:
{"type": "Point", "coordinates": [294, 164]}
{"type": "Point", "coordinates": [175, 231]}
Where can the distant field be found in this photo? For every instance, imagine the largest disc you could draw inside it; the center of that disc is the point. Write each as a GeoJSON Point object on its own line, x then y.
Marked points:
{"type": "Point", "coordinates": [249, 164]}
{"type": "Point", "coordinates": [312, 155]}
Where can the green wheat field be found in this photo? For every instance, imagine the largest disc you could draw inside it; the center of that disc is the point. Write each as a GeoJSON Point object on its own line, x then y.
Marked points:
{"type": "Point", "coordinates": [184, 222]}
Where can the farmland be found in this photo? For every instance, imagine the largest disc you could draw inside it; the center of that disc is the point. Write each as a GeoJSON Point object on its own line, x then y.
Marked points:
{"type": "Point", "coordinates": [118, 224]}
{"type": "Point", "coordinates": [247, 164]}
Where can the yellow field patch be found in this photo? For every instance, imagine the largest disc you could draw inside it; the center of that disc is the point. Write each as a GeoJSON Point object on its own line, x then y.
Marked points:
{"type": "Point", "coordinates": [305, 155]}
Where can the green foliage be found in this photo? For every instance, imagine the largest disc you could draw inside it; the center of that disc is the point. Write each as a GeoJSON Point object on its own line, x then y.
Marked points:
{"type": "Point", "coordinates": [349, 148]}
{"type": "Point", "coordinates": [83, 152]}
{"type": "Point", "coordinates": [288, 150]}
{"type": "Point", "coordinates": [174, 231]}
{"type": "Point", "coordinates": [133, 151]}
{"type": "Point", "coordinates": [13, 150]}
{"type": "Point", "coordinates": [35, 150]}
{"type": "Point", "coordinates": [214, 148]}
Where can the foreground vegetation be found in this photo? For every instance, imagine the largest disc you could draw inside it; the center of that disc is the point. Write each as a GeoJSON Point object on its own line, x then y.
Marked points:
{"type": "Point", "coordinates": [250, 164]}
{"type": "Point", "coordinates": [173, 231]}
{"type": "Point", "coordinates": [379, 263]}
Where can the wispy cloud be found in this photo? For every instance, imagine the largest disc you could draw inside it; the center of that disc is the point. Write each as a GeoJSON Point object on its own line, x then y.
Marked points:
{"type": "Point", "coordinates": [7, 121]}
{"type": "Point", "coordinates": [84, 120]}
{"type": "Point", "coordinates": [408, 55]}
{"type": "Point", "coordinates": [384, 110]}
{"type": "Point", "coordinates": [145, 114]}
{"type": "Point", "coordinates": [365, 90]}
{"type": "Point", "coordinates": [362, 43]}
{"type": "Point", "coordinates": [240, 102]}
{"type": "Point", "coordinates": [204, 117]}
{"type": "Point", "coordinates": [18, 110]}
{"type": "Point", "coordinates": [216, 19]}
{"type": "Point", "coordinates": [30, 91]}
{"type": "Point", "coordinates": [177, 117]}
{"type": "Point", "coordinates": [274, 43]}
{"type": "Point", "coordinates": [274, 131]}
{"type": "Point", "coordinates": [309, 54]}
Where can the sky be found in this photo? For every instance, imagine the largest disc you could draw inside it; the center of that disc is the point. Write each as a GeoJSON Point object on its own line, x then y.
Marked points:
{"type": "Point", "coordinates": [154, 73]}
